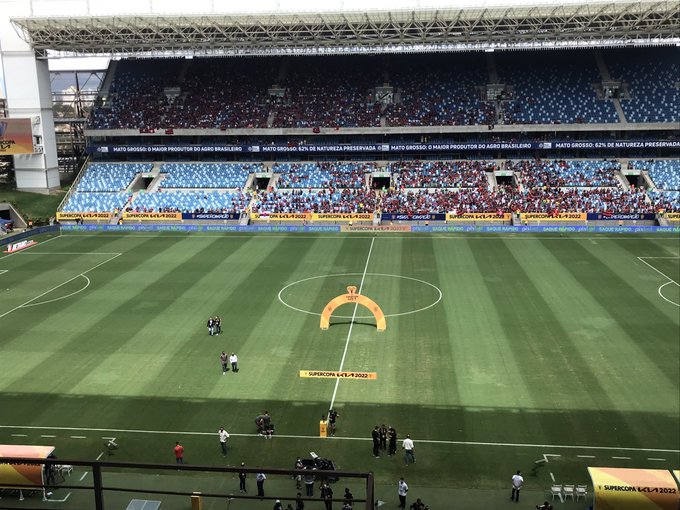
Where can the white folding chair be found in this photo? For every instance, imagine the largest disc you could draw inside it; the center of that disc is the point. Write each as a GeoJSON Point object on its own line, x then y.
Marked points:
{"type": "Point", "coordinates": [568, 492]}
{"type": "Point", "coordinates": [581, 492]}
{"type": "Point", "coordinates": [556, 490]}
{"type": "Point", "coordinates": [64, 469]}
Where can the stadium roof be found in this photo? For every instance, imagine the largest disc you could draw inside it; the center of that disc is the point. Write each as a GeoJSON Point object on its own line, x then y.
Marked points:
{"type": "Point", "coordinates": [599, 24]}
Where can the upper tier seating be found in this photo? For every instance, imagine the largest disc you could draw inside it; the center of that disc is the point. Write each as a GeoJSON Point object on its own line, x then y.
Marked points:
{"type": "Point", "coordinates": [652, 77]}
{"type": "Point", "coordinates": [550, 90]}
{"type": "Point", "coordinates": [428, 90]}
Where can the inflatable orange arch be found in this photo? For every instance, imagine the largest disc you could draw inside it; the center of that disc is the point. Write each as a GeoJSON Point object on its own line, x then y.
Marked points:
{"type": "Point", "coordinates": [353, 298]}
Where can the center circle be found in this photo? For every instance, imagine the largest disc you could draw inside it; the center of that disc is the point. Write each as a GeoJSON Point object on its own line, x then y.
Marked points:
{"type": "Point", "coordinates": [408, 312]}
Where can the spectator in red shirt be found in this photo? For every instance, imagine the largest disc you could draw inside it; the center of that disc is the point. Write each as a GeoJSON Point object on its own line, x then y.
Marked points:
{"type": "Point", "coordinates": [179, 453]}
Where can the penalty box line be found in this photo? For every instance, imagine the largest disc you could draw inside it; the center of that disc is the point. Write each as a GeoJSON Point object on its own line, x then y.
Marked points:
{"type": "Point", "coordinates": [340, 438]}
{"type": "Point", "coordinates": [116, 255]}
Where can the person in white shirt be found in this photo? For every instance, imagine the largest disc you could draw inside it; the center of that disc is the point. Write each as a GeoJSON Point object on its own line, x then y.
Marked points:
{"type": "Point", "coordinates": [402, 489]}
{"type": "Point", "coordinates": [233, 359]}
{"type": "Point", "coordinates": [224, 435]}
{"type": "Point", "coordinates": [259, 479]}
{"type": "Point", "coordinates": [517, 482]}
{"type": "Point", "coordinates": [407, 445]}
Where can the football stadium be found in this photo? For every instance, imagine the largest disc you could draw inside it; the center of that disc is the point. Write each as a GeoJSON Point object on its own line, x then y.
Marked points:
{"type": "Point", "coordinates": [290, 256]}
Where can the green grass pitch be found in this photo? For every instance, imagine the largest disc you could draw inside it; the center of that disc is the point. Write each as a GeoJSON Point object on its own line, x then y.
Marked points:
{"type": "Point", "coordinates": [500, 351]}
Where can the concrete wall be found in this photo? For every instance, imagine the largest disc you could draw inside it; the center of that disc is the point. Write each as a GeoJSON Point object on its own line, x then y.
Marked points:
{"type": "Point", "coordinates": [29, 95]}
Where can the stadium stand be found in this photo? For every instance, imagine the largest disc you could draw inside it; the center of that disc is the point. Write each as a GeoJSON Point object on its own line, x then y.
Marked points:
{"type": "Point", "coordinates": [440, 174]}
{"type": "Point", "coordinates": [567, 173]}
{"type": "Point", "coordinates": [321, 201]}
{"type": "Point", "coordinates": [428, 90]}
{"type": "Point", "coordinates": [650, 82]}
{"type": "Point", "coordinates": [187, 201]}
{"type": "Point", "coordinates": [665, 173]}
{"type": "Point", "coordinates": [546, 90]}
{"type": "Point", "coordinates": [110, 176]}
{"type": "Point", "coordinates": [321, 175]}
{"type": "Point", "coordinates": [96, 202]}
{"type": "Point", "coordinates": [208, 175]}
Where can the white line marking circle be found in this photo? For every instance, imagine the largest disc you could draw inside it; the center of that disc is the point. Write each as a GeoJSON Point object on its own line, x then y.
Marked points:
{"type": "Point", "coordinates": [61, 297]}
{"type": "Point", "coordinates": [439, 297]}
{"type": "Point", "coordinates": [664, 297]}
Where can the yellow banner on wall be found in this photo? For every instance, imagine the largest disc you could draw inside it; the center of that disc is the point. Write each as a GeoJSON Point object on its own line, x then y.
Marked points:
{"type": "Point", "coordinates": [16, 136]}
{"type": "Point", "coordinates": [84, 215]}
{"type": "Point", "coordinates": [672, 216]}
{"type": "Point", "coordinates": [342, 216]}
{"type": "Point", "coordinates": [634, 489]}
{"type": "Point", "coordinates": [154, 216]}
{"type": "Point", "coordinates": [331, 374]}
{"type": "Point", "coordinates": [12, 475]}
{"type": "Point", "coordinates": [478, 217]}
{"type": "Point", "coordinates": [565, 216]}
{"type": "Point", "coordinates": [282, 216]}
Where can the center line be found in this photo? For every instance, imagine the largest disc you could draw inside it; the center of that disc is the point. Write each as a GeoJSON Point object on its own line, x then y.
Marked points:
{"type": "Point", "coordinates": [351, 324]}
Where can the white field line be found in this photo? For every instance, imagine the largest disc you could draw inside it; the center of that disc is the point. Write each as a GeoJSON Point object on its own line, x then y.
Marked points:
{"type": "Point", "coordinates": [642, 259]}
{"type": "Point", "coordinates": [67, 253]}
{"type": "Point", "coordinates": [586, 456]}
{"type": "Point", "coordinates": [25, 250]}
{"type": "Point", "coordinates": [3, 271]}
{"type": "Point", "coordinates": [83, 477]}
{"type": "Point", "coordinates": [60, 285]}
{"type": "Point", "coordinates": [59, 500]}
{"type": "Point", "coordinates": [62, 297]}
{"type": "Point", "coordinates": [621, 458]}
{"type": "Point", "coordinates": [351, 324]}
{"type": "Point", "coordinates": [655, 458]}
{"type": "Point", "coordinates": [670, 280]}
{"type": "Point", "coordinates": [294, 235]}
{"type": "Point", "coordinates": [118, 432]}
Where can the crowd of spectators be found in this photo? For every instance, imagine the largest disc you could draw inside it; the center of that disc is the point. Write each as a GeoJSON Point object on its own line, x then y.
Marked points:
{"type": "Point", "coordinates": [562, 173]}
{"type": "Point", "coordinates": [417, 187]}
{"type": "Point", "coordinates": [322, 175]}
{"type": "Point", "coordinates": [315, 201]}
{"type": "Point", "coordinates": [440, 174]}
{"type": "Point", "coordinates": [374, 91]}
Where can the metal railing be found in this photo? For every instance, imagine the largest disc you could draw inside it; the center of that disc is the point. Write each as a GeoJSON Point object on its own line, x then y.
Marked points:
{"type": "Point", "coordinates": [99, 488]}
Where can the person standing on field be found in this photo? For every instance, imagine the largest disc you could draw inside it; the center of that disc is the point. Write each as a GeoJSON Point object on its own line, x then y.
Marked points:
{"type": "Point", "coordinates": [224, 362]}
{"type": "Point", "coordinates": [383, 437]}
{"type": "Point", "coordinates": [376, 441]}
{"type": "Point", "coordinates": [224, 435]}
{"type": "Point", "coordinates": [259, 479]}
{"type": "Point", "coordinates": [242, 475]}
{"type": "Point", "coordinates": [332, 417]}
{"type": "Point", "coordinates": [179, 453]}
{"type": "Point", "coordinates": [517, 482]}
{"type": "Point", "coordinates": [392, 441]}
{"type": "Point", "coordinates": [402, 489]}
{"type": "Point", "coordinates": [233, 359]}
{"type": "Point", "coordinates": [408, 447]}
{"type": "Point", "coordinates": [211, 326]}
{"type": "Point", "coordinates": [327, 495]}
